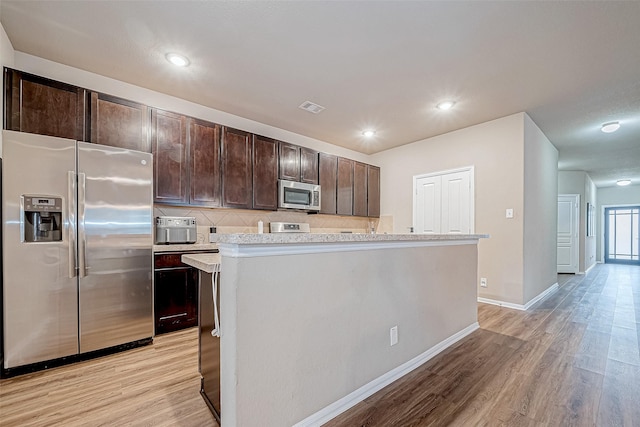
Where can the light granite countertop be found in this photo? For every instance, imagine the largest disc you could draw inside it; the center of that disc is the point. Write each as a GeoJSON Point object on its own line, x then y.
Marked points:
{"type": "Point", "coordinates": [303, 238]}
{"type": "Point", "coordinates": [205, 262]}
{"type": "Point", "coordinates": [185, 247]}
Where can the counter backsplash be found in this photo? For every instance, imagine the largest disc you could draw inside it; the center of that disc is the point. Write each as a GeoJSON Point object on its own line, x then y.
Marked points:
{"type": "Point", "coordinates": [246, 221]}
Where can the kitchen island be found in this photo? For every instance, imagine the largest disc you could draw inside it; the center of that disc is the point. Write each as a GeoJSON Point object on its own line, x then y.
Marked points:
{"type": "Point", "coordinates": [306, 319]}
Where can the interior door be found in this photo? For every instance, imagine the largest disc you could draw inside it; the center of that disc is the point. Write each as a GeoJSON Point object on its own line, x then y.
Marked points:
{"type": "Point", "coordinates": [568, 224]}
{"type": "Point", "coordinates": [622, 225]}
{"type": "Point", "coordinates": [455, 218]}
{"type": "Point", "coordinates": [114, 245]}
{"type": "Point", "coordinates": [443, 203]}
{"type": "Point", "coordinates": [428, 203]}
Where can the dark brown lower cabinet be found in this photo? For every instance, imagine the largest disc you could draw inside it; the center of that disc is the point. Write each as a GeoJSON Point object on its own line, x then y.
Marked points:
{"type": "Point", "coordinates": [175, 293]}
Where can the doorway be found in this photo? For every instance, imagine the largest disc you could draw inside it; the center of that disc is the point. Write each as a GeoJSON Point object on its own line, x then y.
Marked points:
{"type": "Point", "coordinates": [621, 235]}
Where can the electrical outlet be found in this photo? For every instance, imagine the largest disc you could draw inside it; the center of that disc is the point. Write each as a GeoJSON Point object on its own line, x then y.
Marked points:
{"type": "Point", "coordinates": [509, 213]}
{"type": "Point", "coordinates": [393, 333]}
{"type": "Point", "coordinates": [483, 282]}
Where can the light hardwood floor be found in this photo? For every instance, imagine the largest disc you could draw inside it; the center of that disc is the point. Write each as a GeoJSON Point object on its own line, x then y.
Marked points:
{"type": "Point", "coordinates": [155, 385]}
{"type": "Point", "coordinates": [571, 360]}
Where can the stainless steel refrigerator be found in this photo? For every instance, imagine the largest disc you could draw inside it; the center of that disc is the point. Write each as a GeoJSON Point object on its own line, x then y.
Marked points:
{"type": "Point", "coordinates": [76, 248]}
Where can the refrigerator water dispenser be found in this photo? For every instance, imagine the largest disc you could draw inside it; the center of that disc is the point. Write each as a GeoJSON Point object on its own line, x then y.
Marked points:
{"type": "Point", "coordinates": [42, 218]}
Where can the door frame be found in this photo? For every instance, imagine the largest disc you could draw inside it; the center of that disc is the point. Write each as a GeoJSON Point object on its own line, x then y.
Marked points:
{"type": "Point", "coordinates": [472, 192]}
{"type": "Point", "coordinates": [603, 232]}
{"type": "Point", "coordinates": [576, 233]}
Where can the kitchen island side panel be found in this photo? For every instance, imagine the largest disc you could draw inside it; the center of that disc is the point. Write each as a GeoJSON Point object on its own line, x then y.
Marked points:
{"type": "Point", "coordinates": [300, 332]}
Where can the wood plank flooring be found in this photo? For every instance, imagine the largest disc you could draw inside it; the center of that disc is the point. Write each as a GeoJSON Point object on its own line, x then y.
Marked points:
{"type": "Point", "coordinates": [155, 385]}
{"type": "Point", "coordinates": [572, 360]}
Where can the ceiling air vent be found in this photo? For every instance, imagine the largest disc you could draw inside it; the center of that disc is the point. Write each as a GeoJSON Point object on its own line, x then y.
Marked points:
{"type": "Point", "coordinates": [311, 107]}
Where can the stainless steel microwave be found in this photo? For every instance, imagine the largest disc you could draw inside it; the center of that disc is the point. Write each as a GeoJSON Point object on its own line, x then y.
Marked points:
{"type": "Point", "coordinates": [298, 195]}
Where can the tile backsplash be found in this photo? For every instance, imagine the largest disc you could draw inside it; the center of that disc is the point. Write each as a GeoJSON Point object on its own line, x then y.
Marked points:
{"type": "Point", "coordinates": [246, 221]}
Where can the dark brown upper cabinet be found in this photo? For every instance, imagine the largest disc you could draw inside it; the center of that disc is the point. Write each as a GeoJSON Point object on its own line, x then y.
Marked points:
{"type": "Point", "coordinates": [308, 166]}
{"type": "Point", "coordinates": [170, 165]}
{"type": "Point", "coordinates": [119, 123]}
{"type": "Point", "coordinates": [204, 163]}
{"type": "Point", "coordinates": [328, 176]}
{"type": "Point", "coordinates": [298, 163]}
{"type": "Point", "coordinates": [289, 159]}
{"type": "Point", "coordinates": [345, 187]}
{"type": "Point", "coordinates": [359, 189]}
{"type": "Point", "coordinates": [373, 191]}
{"type": "Point", "coordinates": [237, 186]}
{"type": "Point", "coordinates": [265, 173]}
{"type": "Point", "coordinates": [37, 105]}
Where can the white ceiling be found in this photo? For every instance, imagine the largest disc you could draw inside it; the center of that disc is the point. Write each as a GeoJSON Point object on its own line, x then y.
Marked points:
{"type": "Point", "coordinates": [385, 65]}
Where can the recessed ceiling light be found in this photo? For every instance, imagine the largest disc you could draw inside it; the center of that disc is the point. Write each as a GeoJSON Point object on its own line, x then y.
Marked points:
{"type": "Point", "coordinates": [177, 59]}
{"type": "Point", "coordinates": [369, 133]}
{"type": "Point", "coordinates": [623, 182]}
{"type": "Point", "coordinates": [445, 105]}
{"type": "Point", "coordinates": [610, 127]}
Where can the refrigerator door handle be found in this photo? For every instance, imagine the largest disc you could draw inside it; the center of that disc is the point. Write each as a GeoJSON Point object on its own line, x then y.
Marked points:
{"type": "Point", "coordinates": [71, 218]}
{"type": "Point", "coordinates": [82, 241]}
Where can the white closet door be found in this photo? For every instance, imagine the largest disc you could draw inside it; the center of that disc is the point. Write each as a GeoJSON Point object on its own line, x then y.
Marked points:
{"type": "Point", "coordinates": [428, 201]}
{"type": "Point", "coordinates": [443, 203]}
{"type": "Point", "coordinates": [455, 215]}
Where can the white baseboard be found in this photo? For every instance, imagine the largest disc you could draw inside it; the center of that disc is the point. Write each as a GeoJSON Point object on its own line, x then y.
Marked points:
{"type": "Point", "coordinates": [551, 289]}
{"type": "Point", "coordinates": [352, 399]}
{"type": "Point", "coordinates": [589, 269]}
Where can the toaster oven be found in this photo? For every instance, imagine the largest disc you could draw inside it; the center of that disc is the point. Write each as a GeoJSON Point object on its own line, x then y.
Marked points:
{"type": "Point", "coordinates": [176, 229]}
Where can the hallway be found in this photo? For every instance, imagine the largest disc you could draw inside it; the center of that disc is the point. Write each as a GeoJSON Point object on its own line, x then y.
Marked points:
{"type": "Point", "coordinates": [571, 360]}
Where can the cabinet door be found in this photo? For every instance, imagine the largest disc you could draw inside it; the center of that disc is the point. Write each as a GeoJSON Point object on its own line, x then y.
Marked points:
{"type": "Point", "coordinates": [169, 157]}
{"type": "Point", "coordinates": [359, 189]}
{"type": "Point", "coordinates": [204, 163]}
{"type": "Point", "coordinates": [119, 123]}
{"type": "Point", "coordinates": [289, 158]}
{"type": "Point", "coordinates": [265, 173]}
{"type": "Point", "coordinates": [37, 105]}
{"type": "Point", "coordinates": [308, 166]}
{"type": "Point", "coordinates": [345, 187]}
{"type": "Point", "coordinates": [328, 175]}
{"type": "Point", "coordinates": [237, 188]}
{"type": "Point", "coordinates": [175, 299]}
{"type": "Point", "coordinates": [373, 191]}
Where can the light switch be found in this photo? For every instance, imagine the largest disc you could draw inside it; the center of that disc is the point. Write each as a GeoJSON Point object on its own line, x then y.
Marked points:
{"type": "Point", "coordinates": [509, 213]}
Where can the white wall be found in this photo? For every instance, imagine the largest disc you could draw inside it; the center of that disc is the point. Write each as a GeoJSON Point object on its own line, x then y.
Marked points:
{"type": "Point", "coordinates": [540, 211]}
{"type": "Point", "coordinates": [579, 182]}
{"type": "Point", "coordinates": [92, 81]}
{"type": "Point", "coordinates": [496, 150]}
{"type": "Point", "coordinates": [612, 196]}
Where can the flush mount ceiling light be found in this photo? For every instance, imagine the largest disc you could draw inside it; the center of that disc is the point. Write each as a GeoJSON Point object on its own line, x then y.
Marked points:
{"type": "Point", "coordinates": [445, 105]}
{"type": "Point", "coordinates": [610, 127]}
{"type": "Point", "coordinates": [623, 182]}
{"type": "Point", "coordinates": [177, 59]}
{"type": "Point", "coordinates": [369, 133]}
